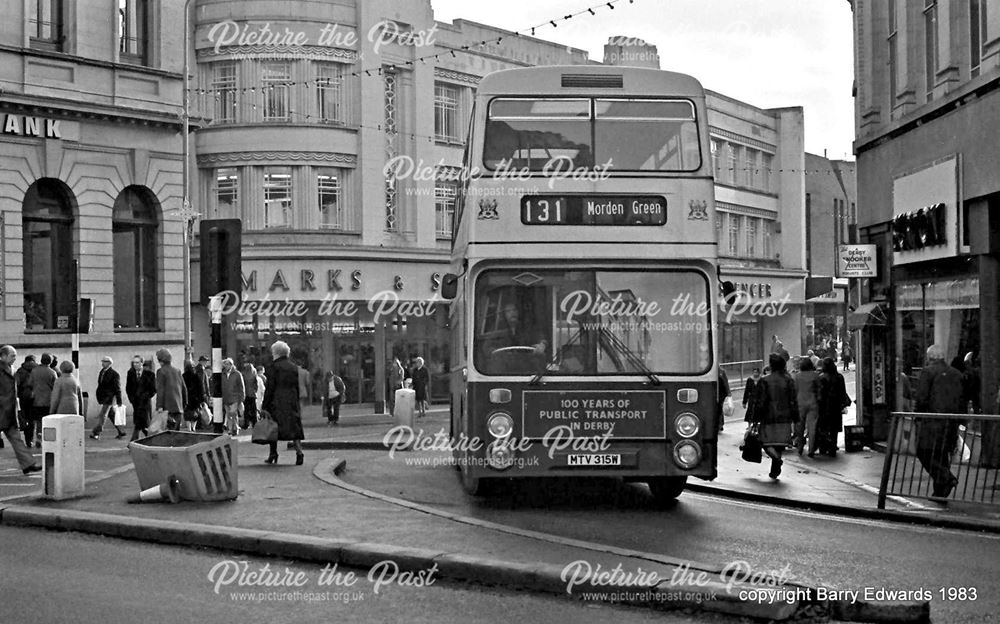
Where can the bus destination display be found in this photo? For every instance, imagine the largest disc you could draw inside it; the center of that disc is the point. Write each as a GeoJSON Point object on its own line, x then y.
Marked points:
{"type": "Point", "coordinates": [593, 210]}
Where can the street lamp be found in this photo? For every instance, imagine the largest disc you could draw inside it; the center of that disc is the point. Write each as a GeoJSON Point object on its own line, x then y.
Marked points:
{"type": "Point", "coordinates": [187, 212]}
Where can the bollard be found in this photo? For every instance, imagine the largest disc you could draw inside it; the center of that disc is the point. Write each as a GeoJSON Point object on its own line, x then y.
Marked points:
{"type": "Point", "coordinates": [62, 456]}
{"type": "Point", "coordinates": [406, 401]}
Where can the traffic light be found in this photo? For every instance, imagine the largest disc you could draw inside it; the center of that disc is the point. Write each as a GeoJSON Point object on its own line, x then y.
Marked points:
{"type": "Point", "coordinates": [220, 257]}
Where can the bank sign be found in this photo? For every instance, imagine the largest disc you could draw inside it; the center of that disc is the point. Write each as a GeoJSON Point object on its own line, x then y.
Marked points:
{"type": "Point", "coordinates": [856, 261]}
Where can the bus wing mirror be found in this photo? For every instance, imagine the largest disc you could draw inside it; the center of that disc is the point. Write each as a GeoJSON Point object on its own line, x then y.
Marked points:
{"type": "Point", "coordinates": [449, 286]}
{"type": "Point", "coordinates": [728, 288]}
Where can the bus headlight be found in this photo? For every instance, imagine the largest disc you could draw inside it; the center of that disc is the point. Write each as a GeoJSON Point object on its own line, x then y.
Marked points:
{"type": "Point", "coordinates": [499, 455]}
{"type": "Point", "coordinates": [687, 425]}
{"type": "Point", "coordinates": [500, 425]}
{"type": "Point", "coordinates": [687, 454]}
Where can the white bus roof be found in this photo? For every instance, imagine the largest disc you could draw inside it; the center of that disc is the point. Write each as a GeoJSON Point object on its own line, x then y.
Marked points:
{"type": "Point", "coordinates": [587, 79]}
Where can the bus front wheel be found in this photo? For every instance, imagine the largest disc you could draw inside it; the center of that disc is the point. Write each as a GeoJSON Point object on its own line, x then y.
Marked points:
{"type": "Point", "coordinates": [666, 489]}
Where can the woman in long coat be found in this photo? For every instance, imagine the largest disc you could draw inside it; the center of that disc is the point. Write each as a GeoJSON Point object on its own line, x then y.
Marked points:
{"type": "Point", "coordinates": [833, 398]}
{"type": "Point", "coordinates": [144, 396]}
{"type": "Point", "coordinates": [195, 395]}
{"type": "Point", "coordinates": [281, 401]}
{"type": "Point", "coordinates": [776, 409]}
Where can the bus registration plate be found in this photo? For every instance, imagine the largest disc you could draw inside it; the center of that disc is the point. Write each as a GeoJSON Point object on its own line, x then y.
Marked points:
{"type": "Point", "coordinates": [590, 459]}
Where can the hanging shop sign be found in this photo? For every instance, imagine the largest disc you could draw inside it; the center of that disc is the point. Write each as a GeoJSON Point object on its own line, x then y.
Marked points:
{"type": "Point", "coordinates": [856, 261]}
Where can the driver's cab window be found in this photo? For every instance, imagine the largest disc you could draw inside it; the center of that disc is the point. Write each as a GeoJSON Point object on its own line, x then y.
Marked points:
{"type": "Point", "coordinates": [513, 327]}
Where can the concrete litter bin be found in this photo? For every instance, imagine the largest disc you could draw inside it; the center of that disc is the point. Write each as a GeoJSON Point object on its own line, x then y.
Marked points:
{"type": "Point", "coordinates": [204, 463]}
{"type": "Point", "coordinates": [62, 456]}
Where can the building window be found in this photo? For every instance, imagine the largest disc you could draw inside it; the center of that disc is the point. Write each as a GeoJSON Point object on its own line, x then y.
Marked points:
{"type": "Point", "coordinates": [893, 41]}
{"type": "Point", "coordinates": [224, 89]}
{"type": "Point", "coordinates": [49, 272]}
{"type": "Point", "coordinates": [45, 24]}
{"type": "Point", "coordinates": [719, 216]}
{"type": "Point", "coordinates": [445, 113]}
{"type": "Point", "coordinates": [329, 93]}
{"type": "Point", "coordinates": [734, 234]}
{"type": "Point", "coordinates": [750, 161]}
{"type": "Point", "coordinates": [275, 81]}
{"type": "Point", "coordinates": [227, 191]}
{"type": "Point", "coordinates": [930, 45]}
{"type": "Point", "coordinates": [715, 158]}
{"type": "Point", "coordinates": [976, 38]}
{"type": "Point", "coordinates": [445, 194]}
{"type": "Point", "coordinates": [134, 223]}
{"type": "Point", "coordinates": [328, 186]}
{"type": "Point", "coordinates": [133, 31]}
{"type": "Point", "coordinates": [767, 248]}
{"type": "Point", "coordinates": [751, 244]}
{"type": "Point", "coordinates": [277, 197]}
{"type": "Point", "coordinates": [731, 174]}
{"type": "Point", "coordinates": [765, 172]}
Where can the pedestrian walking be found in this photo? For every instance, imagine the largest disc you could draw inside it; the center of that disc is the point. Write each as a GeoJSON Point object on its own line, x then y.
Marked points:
{"type": "Point", "coordinates": [395, 381]}
{"type": "Point", "coordinates": [132, 385]}
{"type": "Point", "coordinates": [261, 387]}
{"type": "Point", "coordinates": [282, 402]}
{"type": "Point", "coordinates": [250, 386]}
{"type": "Point", "coordinates": [67, 396]}
{"type": "Point", "coordinates": [748, 394]}
{"type": "Point", "coordinates": [8, 411]}
{"type": "Point", "coordinates": [109, 397]}
{"type": "Point", "coordinates": [846, 355]}
{"type": "Point", "coordinates": [335, 390]}
{"type": "Point", "coordinates": [171, 393]}
{"type": "Point", "coordinates": [204, 371]}
{"type": "Point", "coordinates": [724, 393]}
{"type": "Point", "coordinates": [421, 379]}
{"type": "Point", "coordinates": [42, 379]}
{"type": "Point", "coordinates": [25, 397]}
{"type": "Point", "coordinates": [833, 402]}
{"type": "Point", "coordinates": [807, 396]}
{"type": "Point", "coordinates": [142, 408]}
{"type": "Point", "coordinates": [233, 395]}
{"type": "Point", "coordinates": [904, 388]}
{"type": "Point", "coordinates": [939, 391]}
{"type": "Point", "coordinates": [776, 410]}
{"type": "Point", "coordinates": [196, 399]}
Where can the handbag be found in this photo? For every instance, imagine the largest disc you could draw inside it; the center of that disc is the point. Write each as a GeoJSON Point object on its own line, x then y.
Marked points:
{"type": "Point", "coordinates": [119, 415]}
{"type": "Point", "coordinates": [753, 449]}
{"type": "Point", "coordinates": [265, 431]}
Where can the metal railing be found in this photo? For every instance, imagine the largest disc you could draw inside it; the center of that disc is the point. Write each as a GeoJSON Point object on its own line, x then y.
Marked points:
{"type": "Point", "coordinates": [942, 457]}
{"type": "Point", "coordinates": [738, 372]}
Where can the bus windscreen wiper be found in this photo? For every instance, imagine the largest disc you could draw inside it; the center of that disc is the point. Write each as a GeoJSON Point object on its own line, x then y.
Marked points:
{"type": "Point", "coordinates": [623, 349]}
{"type": "Point", "coordinates": [555, 358]}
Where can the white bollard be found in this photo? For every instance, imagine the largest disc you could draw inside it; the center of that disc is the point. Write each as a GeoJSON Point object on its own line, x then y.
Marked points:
{"type": "Point", "coordinates": [406, 402]}
{"type": "Point", "coordinates": [62, 456]}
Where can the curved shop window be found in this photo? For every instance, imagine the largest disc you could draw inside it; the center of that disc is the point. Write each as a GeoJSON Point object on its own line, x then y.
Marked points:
{"type": "Point", "coordinates": [135, 222]}
{"type": "Point", "coordinates": [49, 261]}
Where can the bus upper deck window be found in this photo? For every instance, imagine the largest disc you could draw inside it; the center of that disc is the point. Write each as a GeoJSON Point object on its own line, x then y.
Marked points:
{"type": "Point", "coordinates": [529, 134]}
{"type": "Point", "coordinates": [647, 135]}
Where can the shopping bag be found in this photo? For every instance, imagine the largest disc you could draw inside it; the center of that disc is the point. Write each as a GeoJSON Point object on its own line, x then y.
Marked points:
{"type": "Point", "coordinates": [728, 408]}
{"type": "Point", "coordinates": [905, 440]}
{"type": "Point", "coordinates": [753, 449]}
{"type": "Point", "coordinates": [265, 431]}
{"type": "Point", "coordinates": [119, 415]}
{"type": "Point", "coordinates": [157, 423]}
{"type": "Point", "coordinates": [204, 416]}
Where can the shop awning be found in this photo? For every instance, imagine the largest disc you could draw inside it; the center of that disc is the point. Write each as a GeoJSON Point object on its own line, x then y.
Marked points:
{"type": "Point", "coordinates": [868, 315]}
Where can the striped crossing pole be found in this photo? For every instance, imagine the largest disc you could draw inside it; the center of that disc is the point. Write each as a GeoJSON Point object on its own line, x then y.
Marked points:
{"type": "Point", "coordinates": [215, 309]}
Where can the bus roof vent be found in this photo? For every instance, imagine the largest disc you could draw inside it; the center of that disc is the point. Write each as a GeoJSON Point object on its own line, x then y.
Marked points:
{"type": "Point", "coordinates": [592, 81]}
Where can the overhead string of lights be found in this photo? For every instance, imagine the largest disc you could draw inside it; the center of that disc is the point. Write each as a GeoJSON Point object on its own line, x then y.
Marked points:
{"type": "Point", "coordinates": [471, 47]}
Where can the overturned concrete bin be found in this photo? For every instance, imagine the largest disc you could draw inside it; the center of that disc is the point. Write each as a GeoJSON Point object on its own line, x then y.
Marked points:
{"type": "Point", "coordinates": [204, 463]}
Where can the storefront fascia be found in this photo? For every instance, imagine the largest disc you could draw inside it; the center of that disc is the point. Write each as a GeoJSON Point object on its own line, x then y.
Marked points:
{"type": "Point", "coordinates": [340, 315]}
{"type": "Point", "coordinates": [763, 306]}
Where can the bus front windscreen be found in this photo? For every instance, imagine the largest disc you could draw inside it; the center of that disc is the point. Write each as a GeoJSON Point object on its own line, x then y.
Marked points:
{"type": "Point", "coordinates": [557, 134]}
{"type": "Point", "coordinates": [592, 322]}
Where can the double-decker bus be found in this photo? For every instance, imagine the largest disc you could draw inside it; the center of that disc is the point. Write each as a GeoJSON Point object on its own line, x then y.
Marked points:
{"type": "Point", "coordinates": [584, 280]}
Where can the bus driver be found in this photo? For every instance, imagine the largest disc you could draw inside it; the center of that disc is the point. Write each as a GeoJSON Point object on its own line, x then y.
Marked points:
{"type": "Point", "coordinates": [518, 334]}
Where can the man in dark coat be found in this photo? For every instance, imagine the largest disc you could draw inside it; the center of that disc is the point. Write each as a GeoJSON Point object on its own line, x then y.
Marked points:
{"type": "Point", "coordinates": [8, 411]}
{"type": "Point", "coordinates": [24, 393]}
{"type": "Point", "coordinates": [132, 381]}
{"type": "Point", "coordinates": [42, 380]}
{"type": "Point", "coordinates": [281, 401]}
{"type": "Point", "coordinates": [109, 394]}
{"type": "Point", "coordinates": [776, 408]}
{"type": "Point", "coordinates": [939, 391]}
{"type": "Point", "coordinates": [171, 393]}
